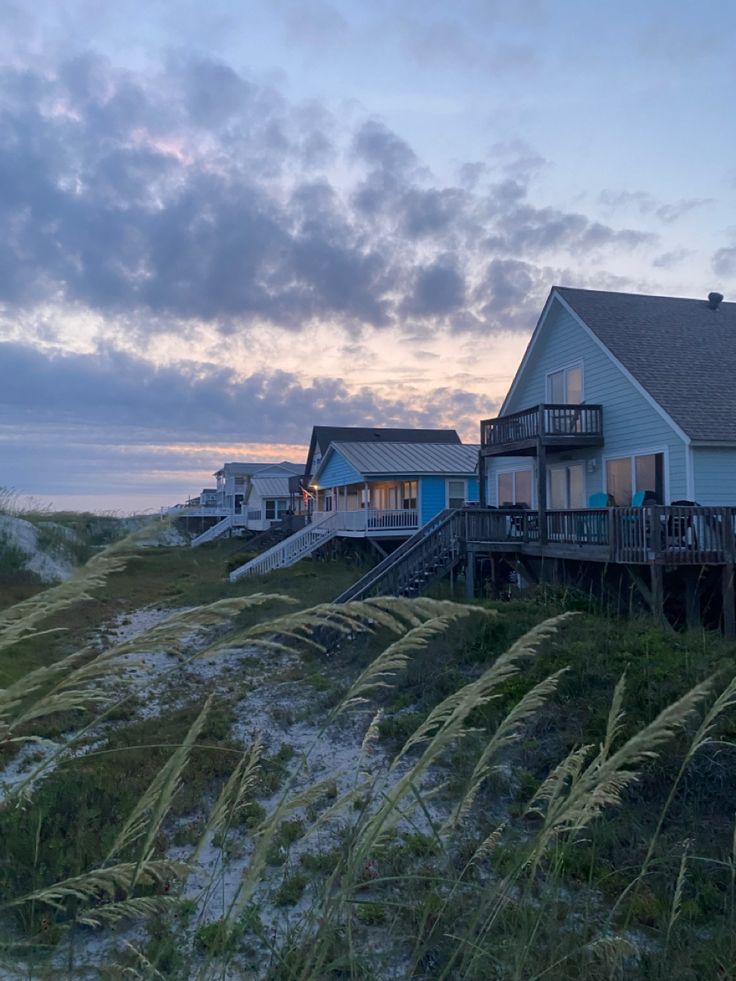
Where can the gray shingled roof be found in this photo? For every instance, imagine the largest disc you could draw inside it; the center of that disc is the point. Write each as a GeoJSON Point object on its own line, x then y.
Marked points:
{"type": "Point", "coordinates": [682, 352]}
{"type": "Point", "coordinates": [386, 459]}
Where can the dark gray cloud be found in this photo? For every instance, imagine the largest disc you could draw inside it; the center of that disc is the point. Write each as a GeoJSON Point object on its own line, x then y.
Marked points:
{"type": "Point", "coordinates": [190, 403]}
{"type": "Point", "coordinates": [195, 192]}
{"type": "Point", "coordinates": [439, 290]}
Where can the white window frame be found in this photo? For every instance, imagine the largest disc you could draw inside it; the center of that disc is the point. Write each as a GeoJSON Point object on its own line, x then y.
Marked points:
{"type": "Point", "coordinates": [517, 469]}
{"type": "Point", "coordinates": [565, 368]}
{"type": "Point", "coordinates": [664, 450]}
{"type": "Point", "coordinates": [456, 480]}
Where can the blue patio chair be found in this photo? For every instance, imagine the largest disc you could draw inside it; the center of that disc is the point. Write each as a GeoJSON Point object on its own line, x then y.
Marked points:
{"type": "Point", "coordinates": [600, 500]}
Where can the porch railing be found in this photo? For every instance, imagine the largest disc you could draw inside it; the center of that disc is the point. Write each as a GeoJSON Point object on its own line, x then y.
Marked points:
{"type": "Point", "coordinates": [550, 420]}
{"type": "Point", "coordinates": [372, 519]}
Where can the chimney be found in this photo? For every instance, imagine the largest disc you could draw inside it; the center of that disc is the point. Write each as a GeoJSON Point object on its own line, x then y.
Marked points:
{"type": "Point", "coordinates": [715, 300]}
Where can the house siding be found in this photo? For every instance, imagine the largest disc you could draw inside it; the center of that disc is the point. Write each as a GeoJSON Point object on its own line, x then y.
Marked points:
{"type": "Point", "coordinates": [473, 494]}
{"type": "Point", "coordinates": [630, 423]}
{"type": "Point", "coordinates": [714, 471]}
{"type": "Point", "coordinates": [432, 497]}
{"type": "Point", "coordinates": [338, 472]}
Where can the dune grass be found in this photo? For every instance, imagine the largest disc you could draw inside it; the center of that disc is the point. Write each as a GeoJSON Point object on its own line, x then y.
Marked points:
{"type": "Point", "coordinates": [541, 792]}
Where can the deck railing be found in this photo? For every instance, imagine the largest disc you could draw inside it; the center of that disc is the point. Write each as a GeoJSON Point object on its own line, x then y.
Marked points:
{"type": "Point", "coordinates": [575, 423]}
{"type": "Point", "coordinates": [673, 534]}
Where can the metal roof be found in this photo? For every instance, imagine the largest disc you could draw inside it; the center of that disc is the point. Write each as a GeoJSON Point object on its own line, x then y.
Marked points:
{"type": "Point", "coordinates": [271, 486]}
{"type": "Point", "coordinates": [322, 436]}
{"type": "Point", "coordinates": [412, 459]}
{"type": "Point", "coordinates": [248, 469]}
{"type": "Point", "coordinates": [680, 350]}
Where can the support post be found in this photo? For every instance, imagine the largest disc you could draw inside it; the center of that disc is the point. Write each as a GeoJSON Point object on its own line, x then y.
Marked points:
{"type": "Point", "coordinates": [470, 574]}
{"type": "Point", "coordinates": [729, 609]}
{"type": "Point", "coordinates": [657, 592]}
{"type": "Point", "coordinates": [692, 598]}
{"type": "Point", "coordinates": [541, 478]}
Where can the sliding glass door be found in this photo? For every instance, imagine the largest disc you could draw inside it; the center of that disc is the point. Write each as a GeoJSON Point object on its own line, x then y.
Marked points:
{"type": "Point", "coordinates": [566, 486]}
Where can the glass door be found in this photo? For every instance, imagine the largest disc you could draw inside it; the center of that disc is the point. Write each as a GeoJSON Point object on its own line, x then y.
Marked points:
{"type": "Point", "coordinates": [566, 486]}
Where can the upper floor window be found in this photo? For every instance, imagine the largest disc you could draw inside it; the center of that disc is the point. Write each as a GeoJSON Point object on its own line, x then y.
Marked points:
{"type": "Point", "coordinates": [565, 387]}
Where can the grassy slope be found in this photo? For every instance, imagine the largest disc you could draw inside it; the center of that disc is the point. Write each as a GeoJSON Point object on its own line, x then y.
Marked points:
{"type": "Point", "coordinates": [78, 819]}
{"type": "Point", "coordinates": [168, 577]}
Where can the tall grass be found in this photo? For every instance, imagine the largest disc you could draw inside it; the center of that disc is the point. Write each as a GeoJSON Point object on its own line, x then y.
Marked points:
{"type": "Point", "coordinates": [436, 871]}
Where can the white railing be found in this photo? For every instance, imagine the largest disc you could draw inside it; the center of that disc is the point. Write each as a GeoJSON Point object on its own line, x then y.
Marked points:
{"type": "Point", "coordinates": [215, 531]}
{"type": "Point", "coordinates": [372, 520]}
{"type": "Point", "coordinates": [295, 547]}
{"type": "Point", "coordinates": [198, 511]}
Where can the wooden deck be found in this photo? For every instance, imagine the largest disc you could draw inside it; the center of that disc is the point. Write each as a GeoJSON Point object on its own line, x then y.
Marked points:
{"type": "Point", "coordinates": [654, 548]}
{"type": "Point", "coordinates": [628, 536]}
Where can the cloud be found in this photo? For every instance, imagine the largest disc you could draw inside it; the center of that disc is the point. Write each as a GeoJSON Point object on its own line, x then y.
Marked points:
{"type": "Point", "coordinates": [724, 261]}
{"type": "Point", "coordinates": [191, 402]}
{"type": "Point", "coordinates": [193, 192]}
{"type": "Point", "coordinates": [669, 259]}
{"type": "Point", "coordinates": [647, 204]}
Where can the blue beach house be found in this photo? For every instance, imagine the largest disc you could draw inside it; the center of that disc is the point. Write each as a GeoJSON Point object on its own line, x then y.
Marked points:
{"type": "Point", "coordinates": [393, 488]}
{"type": "Point", "coordinates": [620, 398]}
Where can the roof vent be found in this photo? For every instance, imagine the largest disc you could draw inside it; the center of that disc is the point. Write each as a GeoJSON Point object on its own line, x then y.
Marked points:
{"type": "Point", "coordinates": [715, 300]}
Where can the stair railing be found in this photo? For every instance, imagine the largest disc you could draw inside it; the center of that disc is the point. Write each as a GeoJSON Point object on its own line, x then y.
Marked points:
{"type": "Point", "coordinates": [441, 531]}
{"type": "Point", "coordinates": [295, 547]}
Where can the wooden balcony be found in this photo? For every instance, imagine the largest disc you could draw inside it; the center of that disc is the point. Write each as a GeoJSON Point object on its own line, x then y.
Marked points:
{"type": "Point", "coordinates": [521, 433]}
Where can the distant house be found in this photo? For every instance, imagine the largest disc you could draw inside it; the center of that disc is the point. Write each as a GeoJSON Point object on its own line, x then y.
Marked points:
{"type": "Point", "coordinates": [259, 491]}
{"type": "Point", "coordinates": [251, 496]}
{"type": "Point", "coordinates": [619, 398]}
{"type": "Point", "coordinates": [400, 485]}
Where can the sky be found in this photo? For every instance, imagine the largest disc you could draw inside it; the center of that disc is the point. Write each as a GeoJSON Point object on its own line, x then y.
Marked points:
{"type": "Point", "coordinates": [226, 222]}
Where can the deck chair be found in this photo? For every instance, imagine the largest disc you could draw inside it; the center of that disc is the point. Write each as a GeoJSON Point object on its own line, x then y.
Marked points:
{"type": "Point", "coordinates": [600, 500]}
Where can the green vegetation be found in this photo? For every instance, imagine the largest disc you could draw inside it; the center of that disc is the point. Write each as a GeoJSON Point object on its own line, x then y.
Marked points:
{"type": "Point", "coordinates": [519, 790]}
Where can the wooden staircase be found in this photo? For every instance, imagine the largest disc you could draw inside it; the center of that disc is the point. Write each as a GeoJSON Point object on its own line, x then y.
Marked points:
{"type": "Point", "coordinates": [424, 558]}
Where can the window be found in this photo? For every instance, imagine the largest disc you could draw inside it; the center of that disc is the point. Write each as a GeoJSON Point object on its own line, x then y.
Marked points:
{"type": "Point", "coordinates": [631, 474]}
{"type": "Point", "coordinates": [409, 495]}
{"type": "Point", "coordinates": [515, 487]}
{"type": "Point", "coordinates": [565, 387]}
{"type": "Point", "coordinates": [566, 486]}
{"type": "Point", "coordinates": [455, 493]}
{"type": "Point", "coordinates": [276, 508]}
{"type": "Point", "coordinates": [649, 475]}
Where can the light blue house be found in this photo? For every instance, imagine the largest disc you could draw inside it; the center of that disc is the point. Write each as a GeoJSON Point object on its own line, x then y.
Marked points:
{"type": "Point", "coordinates": [394, 487]}
{"type": "Point", "coordinates": [619, 397]}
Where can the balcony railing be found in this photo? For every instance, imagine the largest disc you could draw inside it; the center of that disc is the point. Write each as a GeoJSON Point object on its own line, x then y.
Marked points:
{"type": "Point", "coordinates": [556, 424]}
